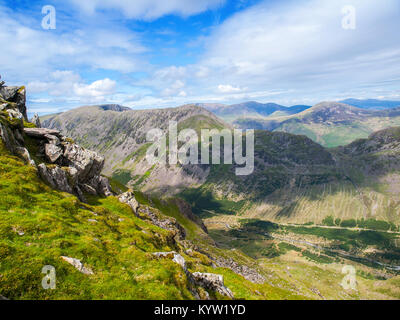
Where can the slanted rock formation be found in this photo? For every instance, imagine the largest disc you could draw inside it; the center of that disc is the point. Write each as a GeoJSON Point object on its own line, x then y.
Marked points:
{"type": "Point", "coordinates": [213, 282]}
{"type": "Point", "coordinates": [36, 121]}
{"type": "Point", "coordinates": [63, 164]}
{"type": "Point", "coordinates": [208, 281]}
{"type": "Point", "coordinates": [15, 97]}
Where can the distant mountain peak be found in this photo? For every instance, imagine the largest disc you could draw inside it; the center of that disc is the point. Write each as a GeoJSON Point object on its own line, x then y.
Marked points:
{"type": "Point", "coordinates": [114, 107]}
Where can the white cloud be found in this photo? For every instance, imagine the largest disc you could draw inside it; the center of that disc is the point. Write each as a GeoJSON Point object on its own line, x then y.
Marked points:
{"type": "Point", "coordinates": [97, 89]}
{"type": "Point", "coordinates": [301, 45]}
{"type": "Point", "coordinates": [32, 53]}
{"type": "Point", "coordinates": [68, 86]}
{"type": "Point", "coordinates": [228, 88]}
{"type": "Point", "coordinates": [149, 9]}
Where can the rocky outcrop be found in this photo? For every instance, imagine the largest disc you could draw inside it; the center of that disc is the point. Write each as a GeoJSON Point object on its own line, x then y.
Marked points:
{"type": "Point", "coordinates": [15, 96]}
{"type": "Point", "coordinates": [69, 167]}
{"type": "Point", "coordinates": [163, 222]}
{"type": "Point", "coordinates": [208, 281]}
{"type": "Point", "coordinates": [77, 264]}
{"type": "Point", "coordinates": [243, 270]}
{"type": "Point", "coordinates": [175, 257]}
{"type": "Point", "coordinates": [55, 176]}
{"type": "Point", "coordinates": [129, 199]}
{"type": "Point", "coordinates": [213, 282]}
{"type": "Point", "coordinates": [63, 164]}
{"type": "Point", "coordinates": [36, 121]}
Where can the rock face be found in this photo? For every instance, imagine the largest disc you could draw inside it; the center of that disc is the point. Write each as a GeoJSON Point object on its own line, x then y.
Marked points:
{"type": "Point", "coordinates": [63, 164]}
{"type": "Point", "coordinates": [247, 273]}
{"type": "Point", "coordinates": [15, 95]}
{"type": "Point", "coordinates": [166, 223]}
{"type": "Point", "coordinates": [208, 281]}
{"type": "Point", "coordinates": [213, 282]}
{"type": "Point", "coordinates": [36, 121]}
{"type": "Point", "coordinates": [70, 167]}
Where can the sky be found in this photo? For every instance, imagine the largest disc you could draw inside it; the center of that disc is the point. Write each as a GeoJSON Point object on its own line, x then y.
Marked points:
{"type": "Point", "coordinates": [156, 53]}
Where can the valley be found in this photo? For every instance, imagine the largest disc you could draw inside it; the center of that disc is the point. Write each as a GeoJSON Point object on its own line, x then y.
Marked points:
{"type": "Point", "coordinates": [304, 207]}
{"type": "Point", "coordinates": [283, 232]}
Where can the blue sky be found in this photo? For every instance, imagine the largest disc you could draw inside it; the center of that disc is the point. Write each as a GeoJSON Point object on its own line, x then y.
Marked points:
{"type": "Point", "coordinates": [156, 53]}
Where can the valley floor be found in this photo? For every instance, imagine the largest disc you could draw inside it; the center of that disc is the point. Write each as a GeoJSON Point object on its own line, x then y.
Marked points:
{"type": "Point", "coordinates": [312, 258]}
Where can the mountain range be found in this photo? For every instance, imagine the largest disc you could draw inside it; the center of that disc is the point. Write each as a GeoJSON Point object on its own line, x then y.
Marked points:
{"type": "Point", "coordinates": [193, 231]}
{"type": "Point", "coordinates": [283, 161]}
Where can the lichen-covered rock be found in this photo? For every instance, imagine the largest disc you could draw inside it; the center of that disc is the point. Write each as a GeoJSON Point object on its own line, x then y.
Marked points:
{"type": "Point", "coordinates": [88, 163]}
{"type": "Point", "coordinates": [166, 223]}
{"type": "Point", "coordinates": [81, 168]}
{"type": "Point", "coordinates": [53, 153]}
{"type": "Point", "coordinates": [15, 114]}
{"type": "Point", "coordinates": [55, 176]}
{"type": "Point", "coordinates": [77, 264]}
{"type": "Point", "coordinates": [36, 121]}
{"type": "Point", "coordinates": [213, 282]}
{"type": "Point", "coordinates": [52, 139]}
{"type": "Point", "coordinates": [129, 199]}
{"type": "Point", "coordinates": [15, 95]}
{"type": "Point", "coordinates": [180, 260]}
{"type": "Point", "coordinates": [101, 185]}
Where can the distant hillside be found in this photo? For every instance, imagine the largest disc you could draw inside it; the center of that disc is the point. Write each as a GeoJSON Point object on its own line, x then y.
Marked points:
{"type": "Point", "coordinates": [230, 113]}
{"type": "Point", "coordinates": [301, 196]}
{"type": "Point", "coordinates": [329, 123]}
{"type": "Point", "coordinates": [121, 138]}
{"type": "Point", "coordinates": [372, 103]}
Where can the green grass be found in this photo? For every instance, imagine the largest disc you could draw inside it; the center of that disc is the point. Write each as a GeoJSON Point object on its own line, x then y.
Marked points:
{"type": "Point", "coordinates": [204, 203]}
{"type": "Point", "coordinates": [351, 239]}
{"type": "Point", "coordinates": [122, 176]}
{"type": "Point", "coordinates": [38, 225]}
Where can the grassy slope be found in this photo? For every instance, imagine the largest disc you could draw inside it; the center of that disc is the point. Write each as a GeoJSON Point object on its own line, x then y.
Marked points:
{"type": "Point", "coordinates": [38, 225]}
{"type": "Point", "coordinates": [55, 224]}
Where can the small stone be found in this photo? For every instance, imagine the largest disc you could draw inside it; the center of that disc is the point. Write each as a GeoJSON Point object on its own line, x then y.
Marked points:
{"type": "Point", "coordinates": [129, 199]}
{"type": "Point", "coordinates": [77, 264]}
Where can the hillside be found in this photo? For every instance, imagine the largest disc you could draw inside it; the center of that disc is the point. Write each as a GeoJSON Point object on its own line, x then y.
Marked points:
{"type": "Point", "coordinates": [120, 246]}
{"type": "Point", "coordinates": [121, 137]}
{"type": "Point", "coordinates": [372, 103]}
{"type": "Point", "coordinates": [230, 113]}
{"type": "Point", "coordinates": [134, 246]}
{"type": "Point", "coordinates": [331, 124]}
{"type": "Point", "coordinates": [290, 171]}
